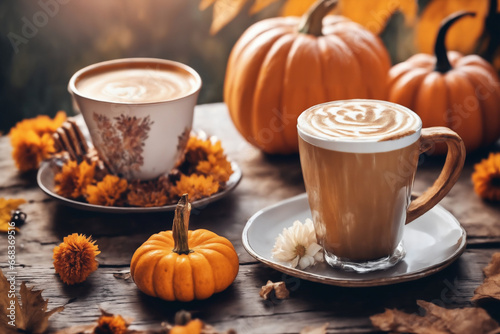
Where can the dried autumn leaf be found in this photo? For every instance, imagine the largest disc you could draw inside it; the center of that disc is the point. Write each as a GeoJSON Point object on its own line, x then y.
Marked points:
{"type": "Point", "coordinates": [259, 5]}
{"type": "Point", "coordinates": [31, 316]}
{"type": "Point", "coordinates": [6, 207]}
{"type": "Point", "coordinates": [372, 14]}
{"type": "Point", "coordinates": [490, 289]}
{"type": "Point", "coordinates": [436, 320]}
{"type": "Point", "coordinates": [277, 290]}
{"type": "Point", "coordinates": [224, 12]}
{"type": "Point", "coordinates": [493, 268]}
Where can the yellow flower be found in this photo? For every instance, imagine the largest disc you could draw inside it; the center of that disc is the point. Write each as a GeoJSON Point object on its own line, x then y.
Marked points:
{"type": "Point", "coordinates": [32, 142]}
{"type": "Point", "coordinates": [486, 177]}
{"type": "Point", "coordinates": [74, 258]}
{"type": "Point", "coordinates": [73, 179]}
{"type": "Point", "coordinates": [111, 324]}
{"type": "Point", "coordinates": [196, 186]}
{"type": "Point", "coordinates": [6, 207]}
{"type": "Point", "coordinates": [207, 158]}
{"type": "Point", "coordinates": [108, 192]}
{"type": "Point", "coordinates": [219, 168]}
{"type": "Point", "coordinates": [41, 124]}
{"type": "Point", "coordinates": [205, 145]}
{"type": "Point", "coordinates": [30, 149]}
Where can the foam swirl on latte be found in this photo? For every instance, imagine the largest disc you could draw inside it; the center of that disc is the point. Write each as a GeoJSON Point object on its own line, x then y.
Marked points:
{"type": "Point", "coordinates": [136, 85]}
{"type": "Point", "coordinates": [361, 120]}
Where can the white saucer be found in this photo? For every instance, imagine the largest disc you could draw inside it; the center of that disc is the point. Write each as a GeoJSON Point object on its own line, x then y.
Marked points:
{"type": "Point", "coordinates": [432, 242]}
{"type": "Point", "coordinates": [45, 179]}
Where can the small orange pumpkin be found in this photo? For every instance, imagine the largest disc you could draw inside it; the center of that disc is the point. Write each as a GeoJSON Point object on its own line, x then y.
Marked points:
{"type": "Point", "coordinates": [452, 90]}
{"type": "Point", "coordinates": [281, 66]}
{"type": "Point", "coordinates": [184, 265]}
{"type": "Point", "coordinates": [184, 324]}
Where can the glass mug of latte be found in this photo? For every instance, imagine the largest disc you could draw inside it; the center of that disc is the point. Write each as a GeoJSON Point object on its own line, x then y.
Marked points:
{"type": "Point", "coordinates": [139, 112]}
{"type": "Point", "coordinates": [359, 159]}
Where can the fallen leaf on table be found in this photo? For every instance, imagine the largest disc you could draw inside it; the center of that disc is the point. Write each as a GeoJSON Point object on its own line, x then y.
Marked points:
{"type": "Point", "coordinates": [315, 330]}
{"type": "Point", "coordinates": [6, 208]}
{"type": "Point", "coordinates": [277, 290]}
{"type": "Point", "coordinates": [437, 320]}
{"type": "Point", "coordinates": [124, 275]}
{"type": "Point", "coordinates": [493, 268]}
{"type": "Point", "coordinates": [31, 316]}
{"type": "Point", "coordinates": [490, 289]}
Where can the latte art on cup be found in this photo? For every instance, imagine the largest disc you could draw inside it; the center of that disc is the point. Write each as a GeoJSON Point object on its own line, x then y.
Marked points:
{"type": "Point", "coordinates": [358, 121]}
{"type": "Point", "coordinates": [144, 83]}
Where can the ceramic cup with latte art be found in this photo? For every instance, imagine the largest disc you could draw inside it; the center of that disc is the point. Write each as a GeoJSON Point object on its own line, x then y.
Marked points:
{"type": "Point", "coordinates": [359, 159]}
{"type": "Point", "coordinates": [139, 112]}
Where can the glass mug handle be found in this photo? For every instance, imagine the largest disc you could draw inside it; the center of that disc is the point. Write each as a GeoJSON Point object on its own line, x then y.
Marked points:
{"type": "Point", "coordinates": [449, 174]}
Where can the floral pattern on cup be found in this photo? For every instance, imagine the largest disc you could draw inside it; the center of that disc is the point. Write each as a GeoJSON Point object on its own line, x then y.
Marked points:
{"type": "Point", "coordinates": [122, 141]}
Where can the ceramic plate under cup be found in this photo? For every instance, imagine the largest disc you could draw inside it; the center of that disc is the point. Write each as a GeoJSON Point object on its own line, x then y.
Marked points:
{"type": "Point", "coordinates": [433, 241]}
{"type": "Point", "coordinates": [45, 179]}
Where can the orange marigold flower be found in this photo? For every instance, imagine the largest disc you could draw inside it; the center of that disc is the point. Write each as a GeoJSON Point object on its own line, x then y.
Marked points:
{"type": "Point", "coordinates": [486, 177]}
{"type": "Point", "coordinates": [219, 168]}
{"type": "Point", "coordinates": [41, 124]}
{"type": "Point", "coordinates": [147, 194]}
{"type": "Point", "coordinates": [196, 186]}
{"type": "Point", "coordinates": [74, 258]}
{"type": "Point", "coordinates": [30, 149]}
{"type": "Point", "coordinates": [206, 145]}
{"type": "Point", "coordinates": [73, 179]}
{"type": "Point", "coordinates": [206, 157]}
{"type": "Point", "coordinates": [32, 141]}
{"type": "Point", "coordinates": [107, 192]}
{"type": "Point", "coordinates": [111, 324]}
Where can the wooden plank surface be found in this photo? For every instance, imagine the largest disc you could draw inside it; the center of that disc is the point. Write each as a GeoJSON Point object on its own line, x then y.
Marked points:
{"type": "Point", "coordinates": [266, 180]}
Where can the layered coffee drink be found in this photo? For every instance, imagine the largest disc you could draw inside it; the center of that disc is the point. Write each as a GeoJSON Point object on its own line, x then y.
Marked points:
{"type": "Point", "coordinates": [138, 82]}
{"type": "Point", "coordinates": [359, 159]}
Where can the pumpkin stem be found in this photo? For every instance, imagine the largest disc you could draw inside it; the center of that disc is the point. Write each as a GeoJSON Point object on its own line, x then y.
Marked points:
{"type": "Point", "coordinates": [312, 21]}
{"type": "Point", "coordinates": [180, 226]}
{"type": "Point", "coordinates": [182, 318]}
{"type": "Point", "coordinates": [442, 62]}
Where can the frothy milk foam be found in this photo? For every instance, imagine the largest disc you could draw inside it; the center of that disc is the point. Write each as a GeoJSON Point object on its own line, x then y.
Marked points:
{"type": "Point", "coordinates": [359, 121]}
{"type": "Point", "coordinates": [136, 83]}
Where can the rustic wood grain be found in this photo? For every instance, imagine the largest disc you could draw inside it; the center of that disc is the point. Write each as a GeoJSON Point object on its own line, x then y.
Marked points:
{"type": "Point", "coordinates": [266, 180]}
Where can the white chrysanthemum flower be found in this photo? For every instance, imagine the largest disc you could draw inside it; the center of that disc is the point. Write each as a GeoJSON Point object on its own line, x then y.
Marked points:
{"type": "Point", "coordinates": [297, 245]}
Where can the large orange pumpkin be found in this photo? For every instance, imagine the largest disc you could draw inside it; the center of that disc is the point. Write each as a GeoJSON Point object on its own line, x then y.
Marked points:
{"type": "Point", "coordinates": [282, 66]}
{"type": "Point", "coordinates": [184, 265]}
{"type": "Point", "coordinates": [452, 90]}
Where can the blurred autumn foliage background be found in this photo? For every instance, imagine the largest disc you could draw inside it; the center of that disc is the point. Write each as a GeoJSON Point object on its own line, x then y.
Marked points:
{"type": "Point", "coordinates": [36, 67]}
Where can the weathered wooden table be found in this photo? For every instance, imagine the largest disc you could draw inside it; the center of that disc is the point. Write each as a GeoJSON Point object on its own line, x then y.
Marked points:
{"type": "Point", "coordinates": [266, 180]}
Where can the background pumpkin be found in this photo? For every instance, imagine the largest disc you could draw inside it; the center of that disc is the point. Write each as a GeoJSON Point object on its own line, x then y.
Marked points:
{"type": "Point", "coordinates": [449, 89]}
{"type": "Point", "coordinates": [282, 66]}
{"type": "Point", "coordinates": [166, 267]}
